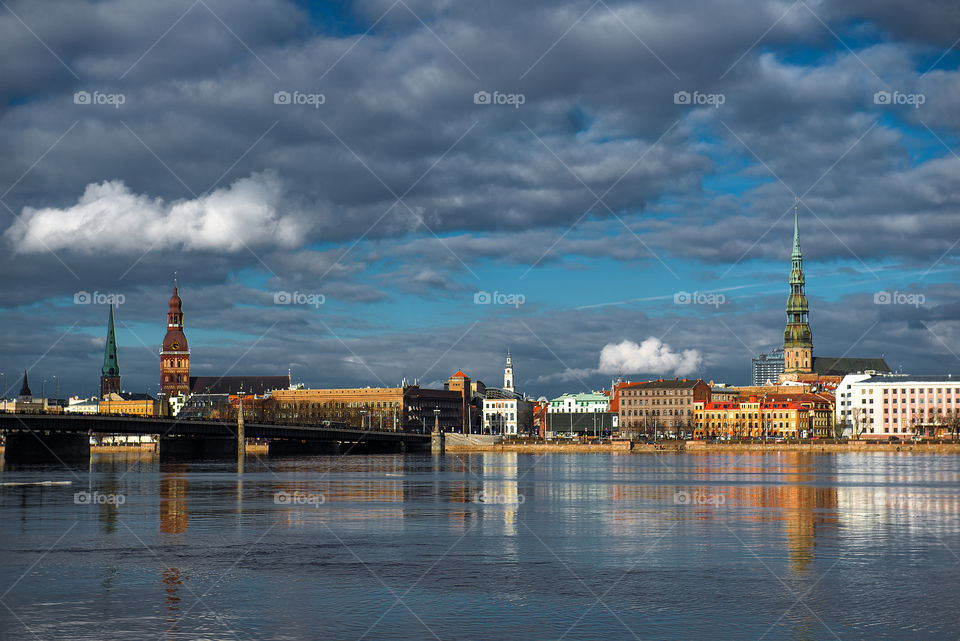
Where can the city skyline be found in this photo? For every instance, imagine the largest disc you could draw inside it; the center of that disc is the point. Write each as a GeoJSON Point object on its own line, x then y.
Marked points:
{"type": "Point", "coordinates": [646, 197]}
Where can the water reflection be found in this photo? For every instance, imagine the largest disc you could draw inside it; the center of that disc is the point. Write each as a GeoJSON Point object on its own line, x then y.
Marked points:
{"type": "Point", "coordinates": [490, 545]}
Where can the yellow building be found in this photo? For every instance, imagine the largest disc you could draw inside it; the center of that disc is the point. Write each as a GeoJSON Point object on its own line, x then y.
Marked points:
{"type": "Point", "coordinates": [777, 415]}
{"type": "Point", "coordinates": [127, 404]}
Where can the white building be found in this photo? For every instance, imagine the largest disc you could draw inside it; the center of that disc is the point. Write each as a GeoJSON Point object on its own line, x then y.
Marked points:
{"type": "Point", "coordinates": [505, 411]}
{"type": "Point", "coordinates": [584, 402]}
{"type": "Point", "coordinates": [509, 416]}
{"type": "Point", "coordinates": [77, 405]}
{"type": "Point", "coordinates": [898, 405]}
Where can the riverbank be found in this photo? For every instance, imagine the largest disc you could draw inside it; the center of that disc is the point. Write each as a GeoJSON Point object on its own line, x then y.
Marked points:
{"type": "Point", "coordinates": [541, 447]}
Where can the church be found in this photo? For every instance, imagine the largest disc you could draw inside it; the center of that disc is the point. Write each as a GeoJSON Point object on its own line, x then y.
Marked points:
{"type": "Point", "coordinates": [799, 363]}
{"type": "Point", "coordinates": [175, 379]}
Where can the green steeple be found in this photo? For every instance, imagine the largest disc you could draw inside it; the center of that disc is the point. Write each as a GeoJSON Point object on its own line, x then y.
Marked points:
{"type": "Point", "coordinates": [110, 365]}
{"type": "Point", "coordinates": [797, 332]}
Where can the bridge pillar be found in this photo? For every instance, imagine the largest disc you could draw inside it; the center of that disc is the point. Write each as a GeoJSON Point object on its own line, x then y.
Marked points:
{"type": "Point", "coordinates": [39, 447]}
{"type": "Point", "coordinates": [197, 447]}
{"type": "Point", "coordinates": [437, 443]}
{"type": "Point", "coordinates": [290, 447]}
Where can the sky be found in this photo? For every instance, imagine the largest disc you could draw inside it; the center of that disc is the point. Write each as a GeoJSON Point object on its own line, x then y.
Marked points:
{"type": "Point", "coordinates": [362, 192]}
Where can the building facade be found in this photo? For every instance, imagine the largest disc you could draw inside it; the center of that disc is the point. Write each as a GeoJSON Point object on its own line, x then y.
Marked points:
{"type": "Point", "coordinates": [583, 402]}
{"type": "Point", "coordinates": [791, 416]}
{"type": "Point", "coordinates": [408, 408]}
{"type": "Point", "coordinates": [507, 415]}
{"type": "Point", "coordinates": [653, 406]}
{"type": "Point", "coordinates": [175, 353]}
{"type": "Point", "coordinates": [880, 406]}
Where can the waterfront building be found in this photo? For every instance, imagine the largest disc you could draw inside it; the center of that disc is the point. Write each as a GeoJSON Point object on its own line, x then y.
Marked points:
{"type": "Point", "coordinates": [129, 404]}
{"type": "Point", "coordinates": [773, 415]}
{"type": "Point", "coordinates": [877, 406]}
{"type": "Point", "coordinates": [408, 408]}
{"type": "Point", "coordinates": [580, 423]}
{"type": "Point", "coordinates": [504, 410]}
{"type": "Point", "coordinates": [507, 414]}
{"type": "Point", "coordinates": [110, 372]}
{"type": "Point", "coordinates": [76, 405]}
{"type": "Point", "coordinates": [653, 406]}
{"type": "Point", "coordinates": [175, 353]}
{"type": "Point", "coordinates": [460, 382]}
{"type": "Point", "coordinates": [766, 368]}
{"type": "Point", "coordinates": [799, 363]}
{"type": "Point", "coordinates": [582, 402]}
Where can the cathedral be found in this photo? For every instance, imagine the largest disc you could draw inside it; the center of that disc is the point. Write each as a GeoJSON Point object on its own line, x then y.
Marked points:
{"type": "Point", "coordinates": [175, 354]}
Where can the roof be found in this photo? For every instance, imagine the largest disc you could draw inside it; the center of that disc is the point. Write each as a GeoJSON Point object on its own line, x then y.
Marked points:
{"type": "Point", "coordinates": [236, 384]}
{"type": "Point", "coordinates": [582, 397]}
{"type": "Point", "coordinates": [830, 366]}
{"type": "Point", "coordinates": [905, 380]}
{"type": "Point", "coordinates": [666, 383]}
{"type": "Point", "coordinates": [135, 396]}
{"type": "Point", "coordinates": [459, 374]}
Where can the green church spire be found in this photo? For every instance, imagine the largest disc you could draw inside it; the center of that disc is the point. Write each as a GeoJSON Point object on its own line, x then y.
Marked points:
{"type": "Point", "coordinates": [111, 367]}
{"type": "Point", "coordinates": [797, 337]}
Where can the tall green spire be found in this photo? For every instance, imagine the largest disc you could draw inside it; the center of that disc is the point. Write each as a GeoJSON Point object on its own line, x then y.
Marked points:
{"type": "Point", "coordinates": [110, 365]}
{"type": "Point", "coordinates": [797, 333]}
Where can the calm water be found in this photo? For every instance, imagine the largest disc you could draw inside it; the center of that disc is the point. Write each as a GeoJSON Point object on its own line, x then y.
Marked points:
{"type": "Point", "coordinates": [485, 546]}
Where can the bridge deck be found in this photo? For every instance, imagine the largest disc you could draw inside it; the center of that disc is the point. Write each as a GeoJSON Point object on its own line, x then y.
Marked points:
{"type": "Point", "coordinates": [193, 427]}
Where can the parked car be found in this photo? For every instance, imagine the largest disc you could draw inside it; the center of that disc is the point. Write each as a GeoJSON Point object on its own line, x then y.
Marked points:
{"type": "Point", "coordinates": [894, 439]}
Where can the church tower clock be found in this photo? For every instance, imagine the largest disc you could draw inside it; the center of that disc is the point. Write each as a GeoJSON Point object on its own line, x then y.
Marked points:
{"type": "Point", "coordinates": [175, 354]}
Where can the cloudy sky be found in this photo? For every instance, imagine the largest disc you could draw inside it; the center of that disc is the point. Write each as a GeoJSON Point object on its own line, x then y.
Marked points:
{"type": "Point", "coordinates": [366, 191]}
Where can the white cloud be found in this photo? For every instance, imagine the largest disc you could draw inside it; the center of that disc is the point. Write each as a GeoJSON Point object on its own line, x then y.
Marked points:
{"type": "Point", "coordinates": [652, 356]}
{"type": "Point", "coordinates": [108, 217]}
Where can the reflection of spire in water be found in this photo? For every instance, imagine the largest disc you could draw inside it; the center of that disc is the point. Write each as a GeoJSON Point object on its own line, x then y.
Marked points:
{"type": "Point", "coordinates": [173, 578]}
{"type": "Point", "coordinates": [174, 511]}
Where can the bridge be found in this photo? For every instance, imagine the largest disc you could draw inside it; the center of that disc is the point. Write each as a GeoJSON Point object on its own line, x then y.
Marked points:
{"type": "Point", "coordinates": [46, 437]}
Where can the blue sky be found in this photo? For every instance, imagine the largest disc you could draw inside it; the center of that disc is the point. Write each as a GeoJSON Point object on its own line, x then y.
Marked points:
{"type": "Point", "coordinates": [397, 196]}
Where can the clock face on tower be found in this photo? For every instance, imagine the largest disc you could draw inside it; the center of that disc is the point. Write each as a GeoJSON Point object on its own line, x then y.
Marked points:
{"type": "Point", "coordinates": [175, 345]}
